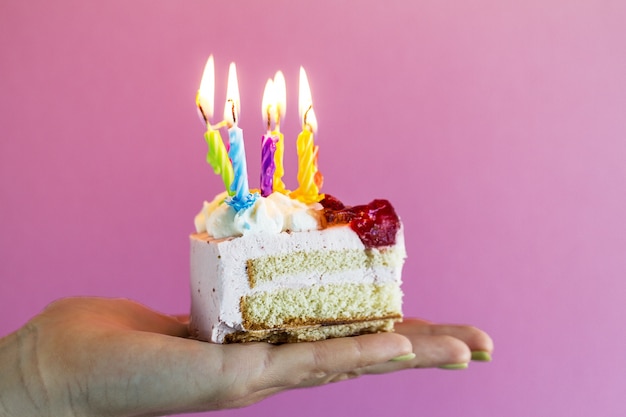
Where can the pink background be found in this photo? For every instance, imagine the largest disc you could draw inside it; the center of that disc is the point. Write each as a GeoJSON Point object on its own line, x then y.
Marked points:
{"type": "Point", "coordinates": [498, 130]}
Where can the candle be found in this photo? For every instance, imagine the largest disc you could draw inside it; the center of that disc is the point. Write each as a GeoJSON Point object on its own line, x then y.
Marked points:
{"type": "Point", "coordinates": [268, 147]}
{"type": "Point", "coordinates": [216, 156]}
{"type": "Point", "coordinates": [318, 178]}
{"type": "Point", "coordinates": [242, 198]}
{"type": "Point", "coordinates": [268, 141]}
{"type": "Point", "coordinates": [280, 94]}
{"type": "Point", "coordinates": [308, 188]}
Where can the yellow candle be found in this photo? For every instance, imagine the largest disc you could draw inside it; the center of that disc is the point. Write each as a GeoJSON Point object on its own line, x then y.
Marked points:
{"type": "Point", "coordinates": [308, 190]}
{"type": "Point", "coordinates": [280, 95]}
{"type": "Point", "coordinates": [279, 185]}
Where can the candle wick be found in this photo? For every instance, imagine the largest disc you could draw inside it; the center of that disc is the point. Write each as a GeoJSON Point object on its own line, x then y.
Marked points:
{"type": "Point", "coordinates": [304, 121]}
{"type": "Point", "coordinates": [209, 128]}
{"type": "Point", "coordinates": [232, 102]}
{"type": "Point", "coordinates": [269, 118]}
{"type": "Point", "coordinates": [203, 114]}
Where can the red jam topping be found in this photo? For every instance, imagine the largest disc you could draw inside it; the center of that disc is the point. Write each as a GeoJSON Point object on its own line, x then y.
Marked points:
{"type": "Point", "coordinates": [376, 223]}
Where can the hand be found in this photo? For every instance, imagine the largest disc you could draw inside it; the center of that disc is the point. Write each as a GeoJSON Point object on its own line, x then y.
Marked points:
{"type": "Point", "coordinates": [115, 357]}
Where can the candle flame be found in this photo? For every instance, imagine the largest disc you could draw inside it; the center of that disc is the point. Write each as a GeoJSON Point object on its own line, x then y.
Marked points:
{"type": "Point", "coordinates": [280, 92]}
{"type": "Point", "coordinates": [268, 106]}
{"type": "Point", "coordinates": [305, 103]}
{"type": "Point", "coordinates": [233, 106]}
{"type": "Point", "coordinates": [206, 92]}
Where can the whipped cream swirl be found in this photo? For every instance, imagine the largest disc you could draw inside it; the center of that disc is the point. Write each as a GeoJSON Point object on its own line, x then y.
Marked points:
{"type": "Point", "coordinates": [275, 213]}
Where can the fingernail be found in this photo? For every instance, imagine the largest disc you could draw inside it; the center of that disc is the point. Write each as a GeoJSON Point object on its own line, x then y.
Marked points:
{"type": "Point", "coordinates": [480, 355]}
{"type": "Point", "coordinates": [402, 358]}
{"type": "Point", "coordinates": [454, 366]}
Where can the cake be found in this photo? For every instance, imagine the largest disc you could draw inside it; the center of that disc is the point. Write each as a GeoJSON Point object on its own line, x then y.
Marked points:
{"type": "Point", "coordinates": [286, 266]}
{"type": "Point", "coordinates": [285, 271]}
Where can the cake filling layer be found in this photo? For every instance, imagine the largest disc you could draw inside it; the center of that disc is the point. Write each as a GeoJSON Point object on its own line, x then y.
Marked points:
{"type": "Point", "coordinates": [321, 262]}
{"type": "Point", "coordinates": [312, 333]}
{"type": "Point", "coordinates": [321, 304]}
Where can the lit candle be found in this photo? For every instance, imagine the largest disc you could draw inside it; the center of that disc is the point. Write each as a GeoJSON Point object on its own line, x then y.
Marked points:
{"type": "Point", "coordinates": [309, 179]}
{"type": "Point", "coordinates": [268, 141]}
{"type": "Point", "coordinates": [280, 94]}
{"type": "Point", "coordinates": [242, 197]}
{"type": "Point", "coordinates": [217, 155]}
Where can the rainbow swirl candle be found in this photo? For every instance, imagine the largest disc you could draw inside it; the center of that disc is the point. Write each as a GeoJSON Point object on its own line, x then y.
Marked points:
{"type": "Point", "coordinates": [242, 198]}
{"type": "Point", "coordinates": [217, 155]}
{"type": "Point", "coordinates": [308, 176]}
{"type": "Point", "coordinates": [280, 94]}
{"type": "Point", "coordinates": [268, 141]}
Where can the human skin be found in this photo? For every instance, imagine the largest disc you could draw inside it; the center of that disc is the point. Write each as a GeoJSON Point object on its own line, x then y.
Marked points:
{"type": "Point", "coordinates": [115, 357]}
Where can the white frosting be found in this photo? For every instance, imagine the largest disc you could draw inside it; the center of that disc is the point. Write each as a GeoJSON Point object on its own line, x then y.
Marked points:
{"type": "Point", "coordinates": [219, 278]}
{"type": "Point", "coordinates": [273, 214]}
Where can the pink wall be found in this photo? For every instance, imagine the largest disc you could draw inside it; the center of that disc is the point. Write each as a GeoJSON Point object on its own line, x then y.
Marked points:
{"type": "Point", "coordinates": [498, 129]}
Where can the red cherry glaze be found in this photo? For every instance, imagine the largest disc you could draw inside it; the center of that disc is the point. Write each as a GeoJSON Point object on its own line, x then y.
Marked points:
{"type": "Point", "coordinates": [332, 203]}
{"type": "Point", "coordinates": [376, 223]}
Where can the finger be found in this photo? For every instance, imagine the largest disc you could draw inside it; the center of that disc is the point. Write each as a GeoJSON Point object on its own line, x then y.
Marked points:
{"type": "Point", "coordinates": [474, 338]}
{"type": "Point", "coordinates": [430, 351]}
{"type": "Point", "coordinates": [305, 364]}
{"type": "Point", "coordinates": [438, 345]}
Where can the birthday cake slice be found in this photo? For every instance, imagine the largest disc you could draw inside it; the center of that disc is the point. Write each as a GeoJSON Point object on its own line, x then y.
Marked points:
{"type": "Point", "coordinates": [281, 266]}
{"type": "Point", "coordinates": [285, 271]}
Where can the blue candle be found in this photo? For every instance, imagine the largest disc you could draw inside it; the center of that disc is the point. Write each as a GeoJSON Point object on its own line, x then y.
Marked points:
{"type": "Point", "coordinates": [242, 198]}
{"type": "Point", "coordinates": [237, 154]}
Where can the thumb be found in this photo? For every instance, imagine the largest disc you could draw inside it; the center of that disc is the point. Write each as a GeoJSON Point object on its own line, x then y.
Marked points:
{"type": "Point", "coordinates": [315, 363]}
